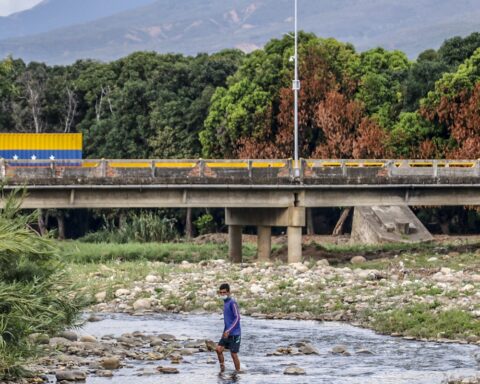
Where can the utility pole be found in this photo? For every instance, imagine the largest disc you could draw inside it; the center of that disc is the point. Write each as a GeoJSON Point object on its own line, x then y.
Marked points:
{"type": "Point", "coordinates": [296, 89]}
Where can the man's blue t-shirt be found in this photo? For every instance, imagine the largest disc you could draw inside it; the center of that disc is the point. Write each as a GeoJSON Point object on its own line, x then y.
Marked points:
{"type": "Point", "coordinates": [231, 317]}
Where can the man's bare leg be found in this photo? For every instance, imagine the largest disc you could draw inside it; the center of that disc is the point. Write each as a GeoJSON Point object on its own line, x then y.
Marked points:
{"type": "Point", "coordinates": [236, 361]}
{"type": "Point", "coordinates": [221, 359]}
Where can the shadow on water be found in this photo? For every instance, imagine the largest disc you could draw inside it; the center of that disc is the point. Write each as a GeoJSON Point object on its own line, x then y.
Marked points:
{"type": "Point", "coordinates": [393, 360]}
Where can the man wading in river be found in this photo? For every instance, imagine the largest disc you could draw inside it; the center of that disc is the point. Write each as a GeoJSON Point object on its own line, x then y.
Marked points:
{"type": "Point", "coordinates": [231, 333]}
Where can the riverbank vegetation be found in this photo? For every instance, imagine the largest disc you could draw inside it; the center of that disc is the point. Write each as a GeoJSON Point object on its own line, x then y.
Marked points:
{"type": "Point", "coordinates": [35, 297]}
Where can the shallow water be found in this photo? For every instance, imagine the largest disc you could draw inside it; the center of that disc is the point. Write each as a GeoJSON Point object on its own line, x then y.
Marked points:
{"type": "Point", "coordinates": [395, 361]}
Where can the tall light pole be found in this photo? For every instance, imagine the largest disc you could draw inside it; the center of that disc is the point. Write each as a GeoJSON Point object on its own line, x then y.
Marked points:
{"type": "Point", "coordinates": [296, 89]}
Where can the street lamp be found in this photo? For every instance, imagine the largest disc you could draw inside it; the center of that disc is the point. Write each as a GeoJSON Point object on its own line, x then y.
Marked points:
{"type": "Point", "coordinates": [296, 89]}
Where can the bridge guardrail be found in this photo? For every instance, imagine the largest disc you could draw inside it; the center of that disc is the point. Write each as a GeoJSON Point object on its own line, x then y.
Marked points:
{"type": "Point", "coordinates": [245, 170]}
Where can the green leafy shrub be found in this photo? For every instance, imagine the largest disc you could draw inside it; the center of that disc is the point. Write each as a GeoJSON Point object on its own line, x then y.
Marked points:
{"type": "Point", "coordinates": [205, 224]}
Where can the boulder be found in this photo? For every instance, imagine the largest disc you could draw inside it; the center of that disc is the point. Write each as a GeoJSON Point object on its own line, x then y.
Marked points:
{"type": "Point", "coordinates": [358, 260]}
{"type": "Point", "coordinates": [296, 371]}
{"type": "Point", "coordinates": [142, 304]}
{"type": "Point", "coordinates": [167, 370]}
{"type": "Point", "coordinates": [111, 363]}
{"type": "Point", "coordinates": [88, 339]}
{"type": "Point", "coordinates": [68, 375]}
{"type": "Point", "coordinates": [69, 335]}
{"type": "Point", "coordinates": [122, 292]}
{"type": "Point", "coordinates": [100, 297]}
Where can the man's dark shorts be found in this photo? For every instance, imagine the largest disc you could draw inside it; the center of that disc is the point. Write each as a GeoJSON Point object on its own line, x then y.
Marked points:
{"type": "Point", "coordinates": [231, 343]}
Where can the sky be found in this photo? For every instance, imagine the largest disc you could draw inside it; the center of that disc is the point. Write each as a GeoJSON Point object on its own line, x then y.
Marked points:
{"type": "Point", "coordinates": [8, 7]}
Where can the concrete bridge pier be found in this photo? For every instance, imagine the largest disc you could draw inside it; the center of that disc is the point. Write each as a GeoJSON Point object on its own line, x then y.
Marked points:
{"type": "Point", "coordinates": [264, 219]}
{"type": "Point", "coordinates": [235, 243]}
{"type": "Point", "coordinates": [264, 243]}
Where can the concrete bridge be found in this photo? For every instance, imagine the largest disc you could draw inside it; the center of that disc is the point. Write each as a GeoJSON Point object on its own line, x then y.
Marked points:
{"type": "Point", "coordinates": [262, 193]}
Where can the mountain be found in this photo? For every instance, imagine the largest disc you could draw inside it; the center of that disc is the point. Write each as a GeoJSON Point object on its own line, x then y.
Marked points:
{"type": "Point", "coordinates": [192, 26]}
{"type": "Point", "coordinates": [52, 14]}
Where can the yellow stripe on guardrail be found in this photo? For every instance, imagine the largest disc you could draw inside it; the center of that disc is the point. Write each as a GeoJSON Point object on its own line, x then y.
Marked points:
{"type": "Point", "coordinates": [268, 165]}
{"type": "Point", "coordinates": [175, 165]}
{"type": "Point", "coordinates": [420, 165]}
{"type": "Point", "coordinates": [90, 164]}
{"type": "Point", "coordinates": [129, 165]}
{"type": "Point", "coordinates": [331, 164]}
{"type": "Point", "coordinates": [227, 165]}
{"type": "Point", "coordinates": [461, 165]}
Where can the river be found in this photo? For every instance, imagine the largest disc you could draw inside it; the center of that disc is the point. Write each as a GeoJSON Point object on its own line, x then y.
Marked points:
{"type": "Point", "coordinates": [394, 360]}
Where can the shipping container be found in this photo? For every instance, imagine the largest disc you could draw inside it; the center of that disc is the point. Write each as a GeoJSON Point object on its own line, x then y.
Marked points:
{"type": "Point", "coordinates": [41, 146]}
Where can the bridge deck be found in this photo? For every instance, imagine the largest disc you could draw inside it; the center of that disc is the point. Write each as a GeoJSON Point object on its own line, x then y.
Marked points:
{"type": "Point", "coordinates": [242, 183]}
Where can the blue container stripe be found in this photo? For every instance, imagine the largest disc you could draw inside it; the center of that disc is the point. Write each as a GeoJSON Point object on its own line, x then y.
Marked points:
{"type": "Point", "coordinates": [41, 154]}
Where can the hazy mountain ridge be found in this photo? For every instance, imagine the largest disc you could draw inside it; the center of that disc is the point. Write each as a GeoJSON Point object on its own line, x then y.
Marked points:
{"type": "Point", "coordinates": [192, 26]}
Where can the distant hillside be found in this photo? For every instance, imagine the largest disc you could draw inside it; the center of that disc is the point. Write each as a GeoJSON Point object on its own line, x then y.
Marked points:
{"type": "Point", "coordinates": [53, 14]}
{"type": "Point", "coordinates": [192, 26]}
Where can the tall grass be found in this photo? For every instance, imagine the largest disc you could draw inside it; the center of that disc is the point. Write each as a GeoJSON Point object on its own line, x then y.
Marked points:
{"type": "Point", "coordinates": [80, 253]}
{"type": "Point", "coordinates": [145, 226]}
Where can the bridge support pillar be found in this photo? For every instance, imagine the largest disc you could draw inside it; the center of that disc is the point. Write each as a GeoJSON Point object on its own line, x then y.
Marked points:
{"type": "Point", "coordinates": [264, 243]}
{"type": "Point", "coordinates": [264, 219]}
{"type": "Point", "coordinates": [235, 243]}
{"type": "Point", "coordinates": [294, 244]}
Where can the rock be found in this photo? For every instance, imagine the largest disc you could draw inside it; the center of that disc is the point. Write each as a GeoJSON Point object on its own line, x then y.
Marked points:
{"type": "Point", "coordinates": [294, 371]}
{"type": "Point", "coordinates": [340, 349]}
{"type": "Point", "coordinates": [166, 337]}
{"type": "Point", "coordinates": [122, 292]}
{"type": "Point", "coordinates": [88, 339]}
{"type": "Point", "coordinates": [94, 319]}
{"type": "Point", "coordinates": [104, 373]}
{"type": "Point", "coordinates": [69, 335]}
{"type": "Point", "coordinates": [468, 287]}
{"type": "Point", "coordinates": [363, 352]}
{"type": "Point", "coordinates": [156, 342]}
{"type": "Point", "coordinates": [211, 345]}
{"type": "Point", "coordinates": [142, 304]}
{"type": "Point", "coordinates": [257, 289]}
{"type": "Point", "coordinates": [70, 376]}
{"type": "Point", "coordinates": [358, 260]}
{"type": "Point", "coordinates": [151, 279]}
{"type": "Point", "coordinates": [299, 267]}
{"type": "Point", "coordinates": [308, 349]}
{"type": "Point", "coordinates": [111, 363]}
{"type": "Point", "coordinates": [323, 263]}
{"type": "Point", "coordinates": [167, 370]}
{"type": "Point", "coordinates": [432, 259]}
{"type": "Point", "coordinates": [473, 339]}
{"type": "Point", "coordinates": [100, 297]}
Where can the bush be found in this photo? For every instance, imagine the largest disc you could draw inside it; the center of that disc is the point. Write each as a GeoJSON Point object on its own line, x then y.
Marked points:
{"type": "Point", "coordinates": [143, 227]}
{"type": "Point", "coordinates": [205, 224]}
{"type": "Point", "coordinates": [34, 297]}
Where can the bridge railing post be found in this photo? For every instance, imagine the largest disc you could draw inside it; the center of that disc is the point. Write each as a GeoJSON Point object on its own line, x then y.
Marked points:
{"type": "Point", "coordinates": [435, 168]}
{"type": "Point", "coordinates": [152, 166]}
{"type": "Point", "coordinates": [103, 168]}
{"type": "Point", "coordinates": [3, 168]}
{"type": "Point", "coordinates": [201, 168]}
{"type": "Point", "coordinates": [52, 168]}
{"type": "Point", "coordinates": [250, 166]}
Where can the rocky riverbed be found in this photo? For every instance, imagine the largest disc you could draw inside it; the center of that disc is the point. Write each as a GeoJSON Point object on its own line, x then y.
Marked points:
{"type": "Point", "coordinates": [358, 292]}
{"type": "Point", "coordinates": [149, 320]}
{"type": "Point", "coordinates": [178, 348]}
